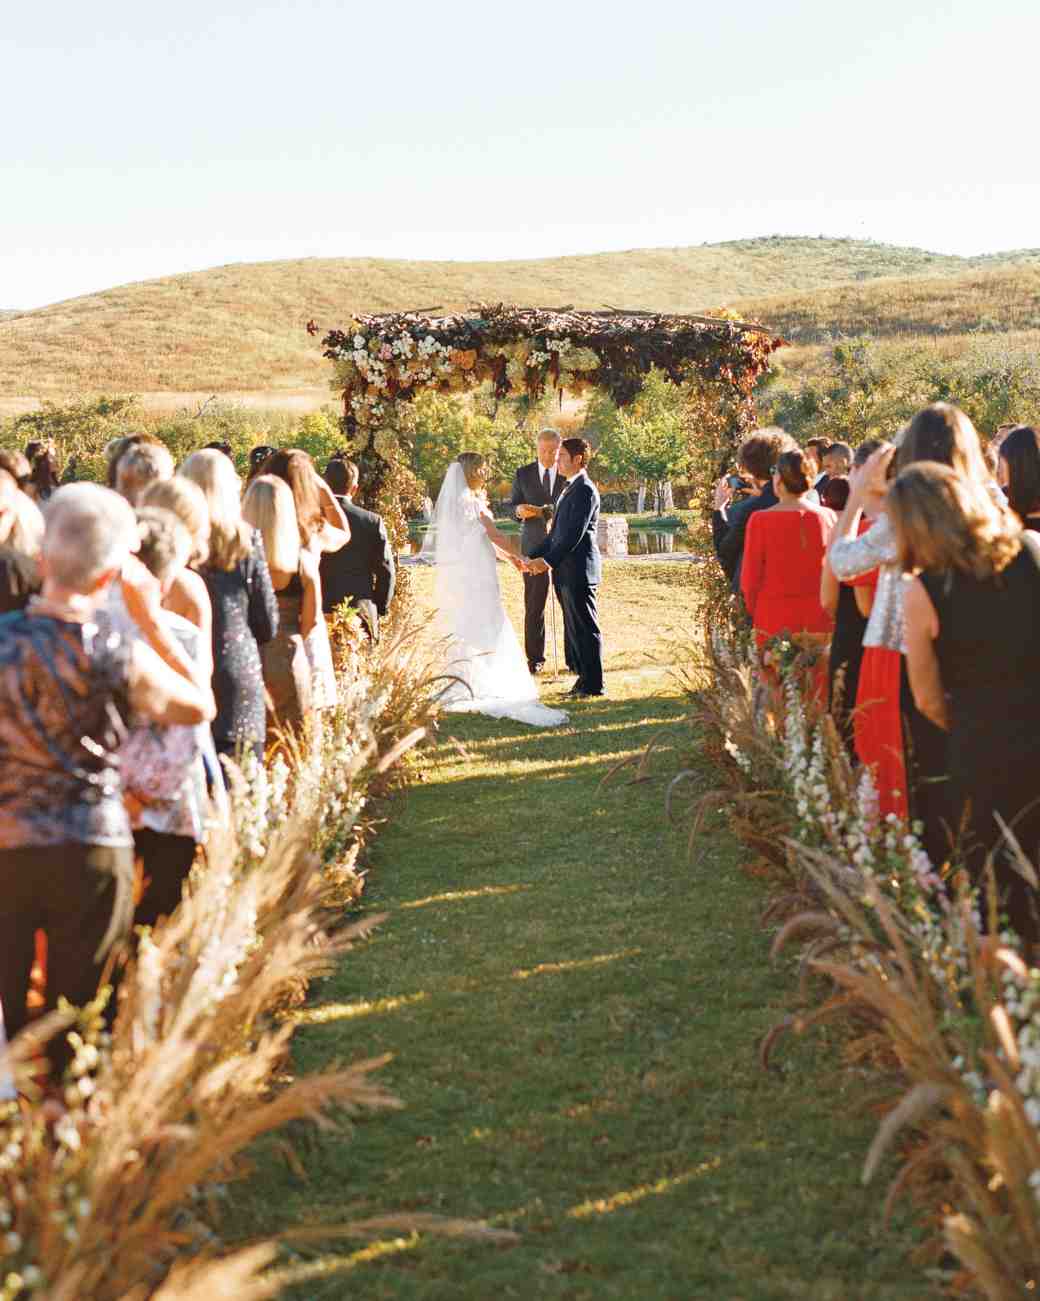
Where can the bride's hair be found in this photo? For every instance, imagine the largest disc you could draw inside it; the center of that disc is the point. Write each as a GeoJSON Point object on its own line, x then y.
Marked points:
{"type": "Point", "coordinates": [474, 467]}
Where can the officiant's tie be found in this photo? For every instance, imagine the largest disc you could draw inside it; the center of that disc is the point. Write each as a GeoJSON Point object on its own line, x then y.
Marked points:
{"type": "Point", "coordinates": [546, 485]}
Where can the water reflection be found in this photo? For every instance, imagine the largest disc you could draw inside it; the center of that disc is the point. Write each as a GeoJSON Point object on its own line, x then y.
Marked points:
{"type": "Point", "coordinates": [641, 542]}
{"type": "Point", "coordinates": [657, 542]}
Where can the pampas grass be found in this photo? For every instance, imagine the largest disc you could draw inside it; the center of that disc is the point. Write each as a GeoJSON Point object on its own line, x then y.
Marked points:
{"type": "Point", "coordinates": [943, 1008]}
{"type": "Point", "coordinates": [110, 1189]}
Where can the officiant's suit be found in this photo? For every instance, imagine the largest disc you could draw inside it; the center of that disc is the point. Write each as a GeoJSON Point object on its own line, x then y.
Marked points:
{"type": "Point", "coordinates": [534, 485]}
{"type": "Point", "coordinates": [571, 551]}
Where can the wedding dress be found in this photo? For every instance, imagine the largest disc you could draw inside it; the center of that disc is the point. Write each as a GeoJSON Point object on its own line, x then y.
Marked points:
{"type": "Point", "coordinates": [488, 670]}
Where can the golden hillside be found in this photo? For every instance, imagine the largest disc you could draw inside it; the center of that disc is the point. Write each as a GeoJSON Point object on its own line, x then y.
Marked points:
{"type": "Point", "coordinates": [1006, 299]}
{"type": "Point", "coordinates": [241, 327]}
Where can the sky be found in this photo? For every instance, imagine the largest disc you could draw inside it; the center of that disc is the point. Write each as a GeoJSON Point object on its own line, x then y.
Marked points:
{"type": "Point", "coordinates": [143, 140]}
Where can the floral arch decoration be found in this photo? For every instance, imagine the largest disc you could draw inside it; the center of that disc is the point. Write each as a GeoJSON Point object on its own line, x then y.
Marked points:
{"type": "Point", "coordinates": [383, 361]}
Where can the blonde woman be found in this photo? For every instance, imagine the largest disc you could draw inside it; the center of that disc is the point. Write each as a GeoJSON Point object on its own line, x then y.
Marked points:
{"type": "Point", "coordinates": [187, 594]}
{"type": "Point", "coordinates": [245, 612]}
{"type": "Point", "coordinates": [269, 507]}
{"type": "Point", "coordinates": [972, 619]}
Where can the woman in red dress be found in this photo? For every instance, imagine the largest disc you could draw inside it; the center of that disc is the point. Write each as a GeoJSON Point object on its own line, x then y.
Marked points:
{"type": "Point", "coordinates": [783, 557]}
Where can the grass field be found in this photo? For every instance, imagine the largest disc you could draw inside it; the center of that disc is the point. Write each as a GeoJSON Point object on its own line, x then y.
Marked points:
{"type": "Point", "coordinates": [240, 328]}
{"type": "Point", "coordinates": [572, 1007]}
{"type": "Point", "coordinates": [1006, 300]}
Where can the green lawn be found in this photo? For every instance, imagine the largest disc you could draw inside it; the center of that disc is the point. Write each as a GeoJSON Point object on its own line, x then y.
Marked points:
{"type": "Point", "coordinates": [573, 1009]}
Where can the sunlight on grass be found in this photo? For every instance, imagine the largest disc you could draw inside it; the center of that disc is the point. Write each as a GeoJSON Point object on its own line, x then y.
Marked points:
{"type": "Point", "coordinates": [326, 1266]}
{"type": "Point", "coordinates": [617, 1202]}
{"type": "Point", "coordinates": [452, 896]}
{"type": "Point", "coordinates": [348, 1011]}
{"type": "Point", "coordinates": [614, 1115]}
{"type": "Point", "coordinates": [579, 964]}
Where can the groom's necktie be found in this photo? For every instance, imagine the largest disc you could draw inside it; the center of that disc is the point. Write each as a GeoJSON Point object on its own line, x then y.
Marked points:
{"type": "Point", "coordinates": [546, 484]}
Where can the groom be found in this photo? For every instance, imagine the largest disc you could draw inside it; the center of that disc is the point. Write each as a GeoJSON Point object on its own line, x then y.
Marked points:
{"type": "Point", "coordinates": [571, 551]}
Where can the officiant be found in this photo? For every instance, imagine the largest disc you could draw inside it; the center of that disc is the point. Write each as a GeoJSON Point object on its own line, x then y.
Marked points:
{"type": "Point", "coordinates": [536, 488]}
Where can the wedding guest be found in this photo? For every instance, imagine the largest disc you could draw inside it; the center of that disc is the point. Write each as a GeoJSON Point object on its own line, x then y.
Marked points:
{"type": "Point", "coordinates": [245, 612]}
{"type": "Point", "coordinates": [222, 446]}
{"type": "Point", "coordinates": [164, 773]}
{"type": "Point", "coordinates": [19, 547]}
{"type": "Point", "coordinates": [939, 432]}
{"type": "Point", "coordinates": [30, 517]}
{"type": "Point", "coordinates": [116, 448]}
{"type": "Point", "coordinates": [835, 493]}
{"type": "Point", "coordinates": [257, 457]}
{"type": "Point", "coordinates": [536, 489]}
{"type": "Point", "coordinates": [140, 465]}
{"type": "Point", "coordinates": [1000, 434]}
{"type": "Point", "coordinates": [837, 460]}
{"type": "Point", "coordinates": [783, 557]}
{"type": "Point", "coordinates": [187, 594]}
{"type": "Point", "coordinates": [17, 466]}
{"type": "Point", "coordinates": [323, 530]}
{"type": "Point", "coordinates": [1018, 473]}
{"type": "Point", "coordinates": [758, 456]}
{"type": "Point", "coordinates": [44, 477]}
{"type": "Point", "coordinates": [363, 572]}
{"type": "Point", "coordinates": [849, 604]}
{"type": "Point", "coordinates": [323, 526]}
{"type": "Point", "coordinates": [817, 447]}
{"type": "Point", "coordinates": [66, 856]}
{"type": "Point", "coordinates": [972, 628]}
{"type": "Point", "coordinates": [268, 506]}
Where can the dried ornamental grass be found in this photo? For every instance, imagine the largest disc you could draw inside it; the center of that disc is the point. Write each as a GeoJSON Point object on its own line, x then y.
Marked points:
{"type": "Point", "coordinates": [937, 1002]}
{"type": "Point", "coordinates": [102, 1190]}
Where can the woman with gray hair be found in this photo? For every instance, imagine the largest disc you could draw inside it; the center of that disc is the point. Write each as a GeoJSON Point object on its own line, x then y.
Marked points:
{"type": "Point", "coordinates": [66, 848]}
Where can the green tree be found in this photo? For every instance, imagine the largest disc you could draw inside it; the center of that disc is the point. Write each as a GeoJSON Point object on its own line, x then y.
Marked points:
{"type": "Point", "coordinates": [650, 439]}
{"type": "Point", "coordinates": [79, 431]}
{"type": "Point", "coordinates": [437, 427]}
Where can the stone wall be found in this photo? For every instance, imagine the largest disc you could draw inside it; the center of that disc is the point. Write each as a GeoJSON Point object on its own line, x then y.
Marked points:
{"type": "Point", "coordinates": [613, 535]}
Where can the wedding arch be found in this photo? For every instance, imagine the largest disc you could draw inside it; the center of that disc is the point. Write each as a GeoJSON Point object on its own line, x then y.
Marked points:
{"type": "Point", "coordinates": [383, 361]}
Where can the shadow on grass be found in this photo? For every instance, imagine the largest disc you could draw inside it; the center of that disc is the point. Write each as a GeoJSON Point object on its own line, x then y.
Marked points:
{"type": "Point", "coordinates": [572, 1014]}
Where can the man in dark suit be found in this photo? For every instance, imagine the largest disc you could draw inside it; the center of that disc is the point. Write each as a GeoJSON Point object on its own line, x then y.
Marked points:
{"type": "Point", "coordinates": [758, 456]}
{"type": "Point", "coordinates": [362, 573]}
{"type": "Point", "coordinates": [571, 551]}
{"type": "Point", "coordinates": [536, 486]}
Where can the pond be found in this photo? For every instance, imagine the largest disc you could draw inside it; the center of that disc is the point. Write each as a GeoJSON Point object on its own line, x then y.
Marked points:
{"type": "Point", "coordinates": [641, 542]}
{"type": "Point", "coordinates": [658, 542]}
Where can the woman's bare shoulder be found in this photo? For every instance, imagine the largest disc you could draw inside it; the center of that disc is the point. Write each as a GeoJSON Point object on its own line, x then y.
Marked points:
{"type": "Point", "coordinates": [188, 596]}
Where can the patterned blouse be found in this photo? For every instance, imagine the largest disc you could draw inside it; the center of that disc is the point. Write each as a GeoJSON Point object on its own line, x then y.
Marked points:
{"type": "Point", "coordinates": [875, 549]}
{"type": "Point", "coordinates": [162, 766]}
{"type": "Point", "coordinates": [63, 698]}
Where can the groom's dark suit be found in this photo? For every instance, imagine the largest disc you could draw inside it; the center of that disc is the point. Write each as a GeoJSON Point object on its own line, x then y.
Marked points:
{"type": "Point", "coordinates": [529, 490]}
{"type": "Point", "coordinates": [572, 553]}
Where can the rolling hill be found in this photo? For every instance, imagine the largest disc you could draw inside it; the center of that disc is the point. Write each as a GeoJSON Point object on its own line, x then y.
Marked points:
{"type": "Point", "coordinates": [241, 327]}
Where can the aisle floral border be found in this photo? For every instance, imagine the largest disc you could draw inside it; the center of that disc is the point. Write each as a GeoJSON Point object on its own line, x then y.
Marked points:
{"type": "Point", "coordinates": [110, 1190]}
{"type": "Point", "coordinates": [933, 1000]}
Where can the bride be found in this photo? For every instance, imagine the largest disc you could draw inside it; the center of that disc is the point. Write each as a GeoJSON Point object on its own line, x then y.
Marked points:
{"type": "Point", "coordinates": [484, 655]}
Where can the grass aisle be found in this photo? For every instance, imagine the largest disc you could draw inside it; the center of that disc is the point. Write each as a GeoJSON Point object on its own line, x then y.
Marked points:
{"type": "Point", "coordinates": [573, 1011]}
